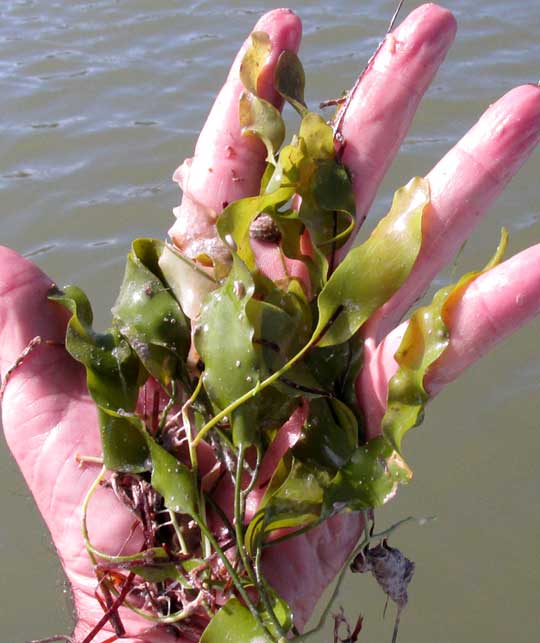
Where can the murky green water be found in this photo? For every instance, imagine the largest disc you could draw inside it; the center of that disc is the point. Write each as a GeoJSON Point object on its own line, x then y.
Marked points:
{"type": "Point", "coordinates": [99, 103]}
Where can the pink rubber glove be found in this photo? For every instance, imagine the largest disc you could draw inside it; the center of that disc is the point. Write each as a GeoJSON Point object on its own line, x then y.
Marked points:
{"type": "Point", "coordinates": [47, 414]}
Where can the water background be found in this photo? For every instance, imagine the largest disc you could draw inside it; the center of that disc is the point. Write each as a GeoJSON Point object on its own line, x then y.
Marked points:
{"type": "Point", "coordinates": [101, 100]}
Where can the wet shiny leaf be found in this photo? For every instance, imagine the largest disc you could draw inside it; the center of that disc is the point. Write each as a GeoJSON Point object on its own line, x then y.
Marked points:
{"type": "Point", "coordinates": [113, 379]}
{"type": "Point", "coordinates": [112, 368]}
{"type": "Point", "coordinates": [224, 340]}
{"type": "Point", "coordinates": [124, 448]}
{"type": "Point", "coordinates": [369, 479]}
{"type": "Point", "coordinates": [188, 281]}
{"type": "Point", "coordinates": [425, 340]}
{"type": "Point", "coordinates": [373, 272]}
{"type": "Point", "coordinates": [282, 323]}
{"type": "Point", "coordinates": [329, 435]}
{"type": "Point", "coordinates": [172, 479]}
{"type": "Point", "coordinates": [336, 368]}
{"type": "Point", "coordinates": [148, 315]}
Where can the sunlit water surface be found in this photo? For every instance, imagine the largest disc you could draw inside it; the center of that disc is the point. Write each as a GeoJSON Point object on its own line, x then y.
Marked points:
{"type": "Point", "coordinates": [99, 103]}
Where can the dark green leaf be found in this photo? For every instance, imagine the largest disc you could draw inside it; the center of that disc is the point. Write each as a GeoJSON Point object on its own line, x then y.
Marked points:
{"type": "Point", "coordinates": [336, 368]}
{"type": "Point", "coordinates": [282, 324]}
{"type": "Point", "coordinates": [149, 316]}
{"type": "Point", "coordinates": [290, 80]}
{"type": "Point", "coordinates": [113, 379]}
{"type": "Point", "coordinates": [329, 435]}
{"type": "Point", "coordinates": [275, 407]}
{"type": "Point", "coordinates": [112, 369]}
{"type": "Point", "coordinates": [224, 340]}
{"type": "Point", "coordinates": [332, 366]}
{"type": "Point", "coordinates": [333, 204]}
{"type": "Point", "coordinates": [347, 383]}
{"type": "Point", "coordinates": [332, 187]}
{"type": "Point", "coordinates": [279, 334]}
{"type": "Point", "coordinates": [369, 479]}
{"type": "Point", "coordinates": [173, 480]}
{"type": "Point", "coordinates": [124, 448]}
